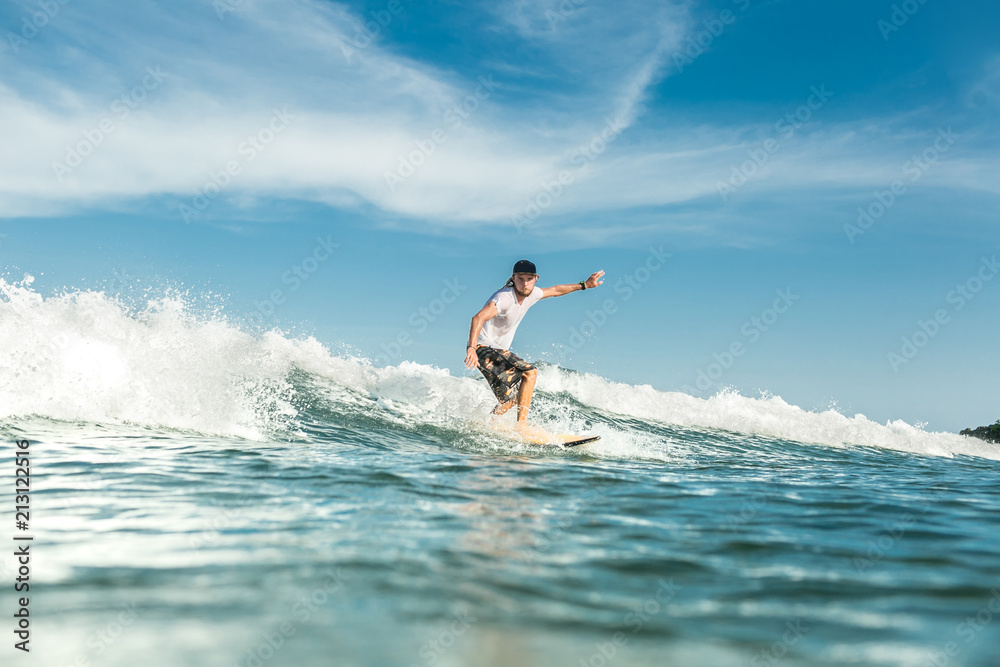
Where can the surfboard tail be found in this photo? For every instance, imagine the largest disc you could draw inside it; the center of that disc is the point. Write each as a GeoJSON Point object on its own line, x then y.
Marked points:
{"type": "Point", "coordinates": [574, 440]}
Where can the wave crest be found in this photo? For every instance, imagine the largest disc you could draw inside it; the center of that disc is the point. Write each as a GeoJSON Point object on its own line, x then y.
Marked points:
{"type": "Point", "coordinates": [85, 356]}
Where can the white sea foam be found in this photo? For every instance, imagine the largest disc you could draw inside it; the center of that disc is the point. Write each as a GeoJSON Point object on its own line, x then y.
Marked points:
{"type": "Point", "coordinates": [82, 356]}
{"type": "Point", "coordinates": [770, 416]}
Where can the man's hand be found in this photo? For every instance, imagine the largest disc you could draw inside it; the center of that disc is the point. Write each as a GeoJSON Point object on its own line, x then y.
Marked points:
{"type": "Point", "coordinates": [594, 280]}
{"type": "Point", "coordinates": [559, 290]}
{"type": "Point", "coordinates": [471, 358]}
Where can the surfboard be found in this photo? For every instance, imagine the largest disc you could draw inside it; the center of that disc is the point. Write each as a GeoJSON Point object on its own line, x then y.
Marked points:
{"type": "Point", "coordinates": [574, 440]}
{"type": "Point", "coordinates": [537, 435]}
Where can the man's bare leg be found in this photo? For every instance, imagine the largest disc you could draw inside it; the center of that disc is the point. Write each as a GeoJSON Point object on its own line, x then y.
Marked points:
{"type": "Point", "coordinates": [524, 393]}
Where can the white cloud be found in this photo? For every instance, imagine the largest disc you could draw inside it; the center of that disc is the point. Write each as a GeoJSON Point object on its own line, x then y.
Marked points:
{"type": "Point", "coordinates": [357, 110]}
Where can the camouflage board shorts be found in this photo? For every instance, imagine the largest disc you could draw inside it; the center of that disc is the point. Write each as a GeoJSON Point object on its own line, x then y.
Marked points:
{"type": "Point", "coordinates": [503, 370]}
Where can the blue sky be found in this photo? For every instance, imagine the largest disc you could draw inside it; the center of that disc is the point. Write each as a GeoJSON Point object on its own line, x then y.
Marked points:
{"type": "Point", "coordinates": [223, 146]}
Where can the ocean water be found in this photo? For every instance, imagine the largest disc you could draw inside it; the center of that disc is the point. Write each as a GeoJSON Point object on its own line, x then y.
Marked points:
{"type": "Point", "coordinates": [206, 496]}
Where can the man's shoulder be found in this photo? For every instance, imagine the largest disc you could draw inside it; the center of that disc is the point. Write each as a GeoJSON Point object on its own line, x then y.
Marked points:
{"type": "Point", "coordinates": [503, 294]}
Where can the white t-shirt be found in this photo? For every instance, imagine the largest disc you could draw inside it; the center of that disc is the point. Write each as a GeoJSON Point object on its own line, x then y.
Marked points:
{"type": "Point", "coordinates": [499, 331]}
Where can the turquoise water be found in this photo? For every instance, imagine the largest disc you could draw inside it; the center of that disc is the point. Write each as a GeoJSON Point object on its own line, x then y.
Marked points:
{"type": "Point", "coordinates": [278, 504]}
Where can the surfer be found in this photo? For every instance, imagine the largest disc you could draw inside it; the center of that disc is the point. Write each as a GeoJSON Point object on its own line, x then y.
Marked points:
{"type": "Point", "coordinates": [492, 332]}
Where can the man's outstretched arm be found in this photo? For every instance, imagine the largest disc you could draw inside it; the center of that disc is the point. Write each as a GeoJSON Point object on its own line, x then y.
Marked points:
{"type": "Point", "coordinates": [558, 290]}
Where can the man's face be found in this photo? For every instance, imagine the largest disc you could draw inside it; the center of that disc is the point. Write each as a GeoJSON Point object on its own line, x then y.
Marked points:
{"type": "Point", "coordinates": [524, 283]}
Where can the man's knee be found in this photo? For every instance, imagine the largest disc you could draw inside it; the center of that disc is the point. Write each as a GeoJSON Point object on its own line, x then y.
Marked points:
{"type": "Point", "coordinates": [530, 375]}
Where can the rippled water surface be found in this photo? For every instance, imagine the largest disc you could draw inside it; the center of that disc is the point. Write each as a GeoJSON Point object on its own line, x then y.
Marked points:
{"type": "Point", "coordinates": [203, 496]}
{"type": "Point", "coordinates": [360, 543]}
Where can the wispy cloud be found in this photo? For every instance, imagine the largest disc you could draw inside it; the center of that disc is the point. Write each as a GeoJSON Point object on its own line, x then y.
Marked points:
{"type": "Point", "coordinates": [355, 112]}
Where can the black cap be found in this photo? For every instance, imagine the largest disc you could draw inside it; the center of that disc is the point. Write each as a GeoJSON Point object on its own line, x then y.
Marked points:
{"type": "Point", "coordinates": [524, 266]}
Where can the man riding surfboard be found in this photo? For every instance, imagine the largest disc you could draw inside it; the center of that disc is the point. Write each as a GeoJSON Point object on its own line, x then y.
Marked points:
{"type": "Point", "coordinates": [492, 332]}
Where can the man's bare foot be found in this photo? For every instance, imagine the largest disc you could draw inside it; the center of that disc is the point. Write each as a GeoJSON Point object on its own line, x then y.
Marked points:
{"type": "Point", "coordinates": [501, 409]}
